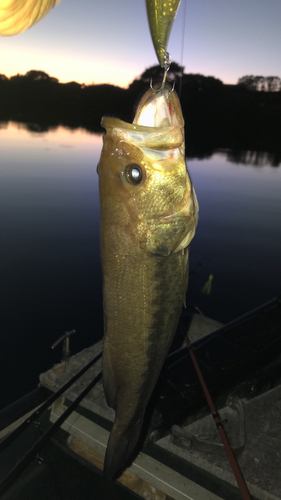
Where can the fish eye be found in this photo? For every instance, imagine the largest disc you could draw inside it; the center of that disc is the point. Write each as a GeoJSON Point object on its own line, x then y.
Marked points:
{"type": "Point", "coordinates": [133, 173]}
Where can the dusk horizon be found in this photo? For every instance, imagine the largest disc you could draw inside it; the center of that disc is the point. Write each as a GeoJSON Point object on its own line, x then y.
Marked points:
{"type": "Point", "coordinates": [111, 43]}
{"type": "Point", "coordinates": [137, 77]}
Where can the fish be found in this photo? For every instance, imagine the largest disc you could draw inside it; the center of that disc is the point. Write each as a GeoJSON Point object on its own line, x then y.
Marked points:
{"type": "Point", "coordinates": [149, 214]}
{"type": "Point", "coordinates": [161, 15]}
{"type": "Point", "coordinates": [18, 16]}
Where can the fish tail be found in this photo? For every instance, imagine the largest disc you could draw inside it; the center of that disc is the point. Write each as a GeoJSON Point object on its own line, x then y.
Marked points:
{"type": "Point", "coordinates": [120, 448]}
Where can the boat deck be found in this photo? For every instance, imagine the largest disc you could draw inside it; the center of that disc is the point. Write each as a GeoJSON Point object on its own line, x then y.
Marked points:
{"type": "Point", "coordinates": [186, 461]}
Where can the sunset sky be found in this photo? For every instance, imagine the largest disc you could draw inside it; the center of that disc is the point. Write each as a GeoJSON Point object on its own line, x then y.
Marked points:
{"type": "Point", "coordinates": [108, 41]}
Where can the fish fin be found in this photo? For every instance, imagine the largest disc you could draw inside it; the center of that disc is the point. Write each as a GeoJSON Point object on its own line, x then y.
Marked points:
{"type": "Point", "coordinates": [184, 273]}
{"type": "Point", "coordinates": [120, 448]}
{"type": "Point", "coordinates": [108, 381]}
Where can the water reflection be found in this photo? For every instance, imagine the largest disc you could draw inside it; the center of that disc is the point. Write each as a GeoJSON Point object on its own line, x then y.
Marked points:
{"type": "Point", "coordinates": [238, 237]}
{"type": "Point", "coordinates": [50, 261]}
{"type": "Point", "coordinates": [246, 157]}
{"type": "Point", "coordinates": [257, 158]}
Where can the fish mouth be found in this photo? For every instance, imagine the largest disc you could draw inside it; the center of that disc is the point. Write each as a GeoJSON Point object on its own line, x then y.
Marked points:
{"type": "Point", "coordinates": [159, 107]}
{"type": "Point", "coordinates": [158, 122]}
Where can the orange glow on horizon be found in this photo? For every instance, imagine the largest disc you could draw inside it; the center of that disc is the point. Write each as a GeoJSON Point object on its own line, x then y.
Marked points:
{"type": "Point", "coordinates": [68, 68]}
{"type": "Point", "coordinates": [76, 67]}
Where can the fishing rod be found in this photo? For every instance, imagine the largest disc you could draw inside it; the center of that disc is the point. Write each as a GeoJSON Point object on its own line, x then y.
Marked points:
{"type": "Point", "coordinates": [15, 433]}
{"type": "Point", "coordinates": [37, 447]}
{"type": "Point", "coordinates": [231, 457]}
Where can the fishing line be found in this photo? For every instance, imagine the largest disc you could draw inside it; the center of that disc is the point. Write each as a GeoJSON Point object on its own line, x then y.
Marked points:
{"type": "Point", "coordinates": [182, 46]}
{"type": "Point", "coordinates": [183, 31]}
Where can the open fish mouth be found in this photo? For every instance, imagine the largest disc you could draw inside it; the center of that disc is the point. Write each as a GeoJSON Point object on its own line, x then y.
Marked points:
{"type": "Point", "coordinates": [158, 109]}
{"type": "Point", "coordinates": [158, 123]}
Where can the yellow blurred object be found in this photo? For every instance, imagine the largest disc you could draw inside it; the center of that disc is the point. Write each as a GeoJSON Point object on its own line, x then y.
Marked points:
{"type": "Point", "coordinates": [161, 15]}
{"type": "Point", "coordinates": [17, 16]}
{"type": "Point", "coordinates": [207, 287]}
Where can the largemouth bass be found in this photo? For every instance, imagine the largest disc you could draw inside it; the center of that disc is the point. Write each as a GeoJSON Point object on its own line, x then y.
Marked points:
{"type": "Point", "coordinates": [149, 215]}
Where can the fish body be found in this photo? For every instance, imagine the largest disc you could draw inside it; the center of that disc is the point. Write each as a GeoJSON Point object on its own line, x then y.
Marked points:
{"type": "Point", "coordinates": [148, 218]}
{"type": "Point", "coordinates": [17, 16]}
{"type": "Point", "coordinates": [161, 15]}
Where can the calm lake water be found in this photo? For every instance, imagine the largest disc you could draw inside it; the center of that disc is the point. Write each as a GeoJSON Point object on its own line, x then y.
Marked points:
{"type": "Point", "coordinates": [50, 263]}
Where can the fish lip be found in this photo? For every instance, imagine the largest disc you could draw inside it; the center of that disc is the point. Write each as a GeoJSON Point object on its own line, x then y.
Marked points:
{"type": "Point", "coordinates": [154, 138]}
{"type": "Point", "coordinates": [111, 122]}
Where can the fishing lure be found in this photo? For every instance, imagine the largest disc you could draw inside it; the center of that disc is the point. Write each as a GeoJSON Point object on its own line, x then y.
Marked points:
{"type": "Point", "coordinates": [161, 15]}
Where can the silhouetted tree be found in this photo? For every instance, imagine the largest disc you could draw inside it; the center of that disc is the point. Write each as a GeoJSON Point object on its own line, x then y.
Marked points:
{"type": "Point", "coordinates": [273, 83]}
{"type": "Point", "coordinates": [260, 83]}
{"type": "Point", "coordinates": [191, 82]}
{"type": "Point", "coordinates": [248, 81]}
{"type": "Point", "coordinates": [38, 75]}
{"type": "Point", "coordinates": [156, 73]}
{"type": "Point", "coordinates": [200, 82]}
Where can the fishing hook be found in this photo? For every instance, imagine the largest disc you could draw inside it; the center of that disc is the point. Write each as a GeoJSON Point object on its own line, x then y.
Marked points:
{"type": "Point", "coordinates": [157, 90]}
{"type": "Point", "coordinates": [167, 64]}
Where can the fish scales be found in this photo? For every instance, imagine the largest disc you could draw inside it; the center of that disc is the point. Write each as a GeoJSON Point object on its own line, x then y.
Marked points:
{"type": "Point", "coordinates": [148, 218]}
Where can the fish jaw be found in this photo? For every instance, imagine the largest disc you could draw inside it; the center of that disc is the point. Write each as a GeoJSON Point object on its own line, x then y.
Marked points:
{"type": "Point", "coordinates": [148, 218]}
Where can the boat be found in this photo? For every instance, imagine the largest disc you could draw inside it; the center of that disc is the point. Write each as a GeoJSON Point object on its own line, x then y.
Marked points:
{"type": "Point", "coordinates": [53, 440]}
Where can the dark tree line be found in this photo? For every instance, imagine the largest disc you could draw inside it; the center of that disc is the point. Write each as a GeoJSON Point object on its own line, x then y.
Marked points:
{"type": "Point", "coordinates": [38, 97]}
{"type": "Point", "coordinates": [216, 115]}
{"type": "Point", "coordinates": [261, 83]}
